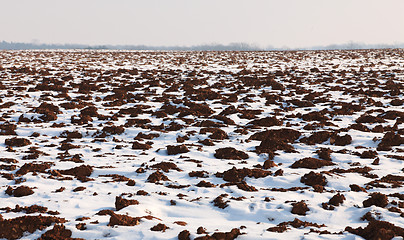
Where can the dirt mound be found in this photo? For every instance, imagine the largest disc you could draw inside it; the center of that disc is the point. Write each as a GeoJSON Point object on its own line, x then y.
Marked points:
{"type": "Point", "coordinates": [296, 223]}
{"type": "Point", "coordinates": [49, 112]}
{"type": "Point", "coordinates": [300, 208]}
{"type": "Point", "coordinates": [184, 235]}
{"type": "Point", "coordinates": [166, 166]}
{"type": "Point", "coordinates": [269, 164]}
{"type": "Point", "coordinates": [315, 116]}
{"type": "Point", "coordinates": [238, 175]}
{"type": "Point", "coordinates": [324, 153]}
{"type": "Point", "coordinates": [8, 129]}
{"type": "Point", "coordinates": [17, 142]}
{"type": "Point", "coordinates": [311, 163]}
{"type": "Point", "coordinates": [357, 188]}
{"type": "Point", "coordinates": [366, 118]}
{"type": "Point", "coordinates": [201, 174]}
{"type": "Point", "coordinates": [269, 145]}
{"type": "Point", "coordinates": [390, 139]}
{"type": "Point", "coordinates": [140, 146]}
{"type": "Point", "coordinates": [122, 203]}
{"type": "Point", "coordinates": [377, 199]}
{"type": "Point", "coordinates": [149, 136]}
{"type": "Point", "coordinates": [81, 172]}
{"type": "Point", "coordinates": [207, 142]}
{"type": "Point", "coordinates": [15, 228]}
{"type": "Point", "coordinates": [278, 139]}
{"type": "Point", "coordinates": [156, 177]}
{"type": "Point", "coordinates": [20, 191]}
{"type": "Point", "coordinates": [266, 122]}
{"type": "Point", "coordinates": [90, 111]}
{"type": "Point", "coordinates": [31, 209]}
{"type": "Point", "coordinates": [230, 153]}
{"type": "Point", "coordinates": [391, 115]}
{"type": "Point", "coordinates": [112, 130]}
{"type": "Point", "coordinates": [205, 184]}
{"type": "Point", "coordinates": [233, 234]}
{"type": "Point", "coordinates": [368, 154]}
{"type": "Point", "coordinates": [220, 202]}
{"type": "Point", "coordinates": [337, 199]}
{"type": "Point", "coordinates": [173, 150]}
{"type": "Point", "coordinates": [341, 140]}
{"type": "Point", "coordinates": [159, 228]}
{"type": "Point", "coordinates": [58, 232]}
{"type": "Point", "coordinates": [245, 187]}
{"type": "Point", "coordinates": [313, 179]}
{"type": "Point", "coordinates": [33, 167]}
{"type": "Point", "coordinates": [8, 160]}
{"type": "Point", "coordinates": [317, 137]}
{"type": "Point", "coordinates": [218, 134]}
{"type": "Point", "coordinates": [71, 134]}
{"type": "Point", "coordinates": [285, 134]}
{"type": "Point", "coordinates": [377, 230]}
{"type": "Point", "coordinates": [123, 220]}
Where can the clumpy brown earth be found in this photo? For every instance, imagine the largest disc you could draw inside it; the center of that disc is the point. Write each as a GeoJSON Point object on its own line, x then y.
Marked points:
{"type": "Point", "coordinates": [15, 228]}
{"type": "Point", "coordinates": [378, 230]}
{"type": "Point", "coordinates": [201, 145]}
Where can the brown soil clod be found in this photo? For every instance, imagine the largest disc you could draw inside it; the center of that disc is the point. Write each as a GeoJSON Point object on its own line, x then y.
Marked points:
{"type": "Point", "coordinates": [20, 191]}
{"type": "Point", "coordinates": [377, 230]}
{"type": "Point", "coordinates": [377, 199]}
{"type": "Point", "coordinates": [33, 167]}
{"type": "Point", "coordinates": [122, 203]}
{"type": "Point", "coordinates": [296, 223]}
{"type": "Point", "coordinates": [311, 163]}
{"type": "Point", "coordinates": [269, 164]}
{"type": "Point", "coordinates": [313, 179]}
{"type": "Point", "coordinates": [174, 150]}
{"type": "Point", "coordinates": [357, 188]}
{"type": "Point", "coordinates": [15, 228]}
{"type": "Point", "coordinates": [266, 122]}
{"type": "Point", "coordinates": [140, 146]}
{"type": "Point", "coordinates": [324, 153]}
{"type": "Point", "coordinates": [156, 177]}
{"type": "Point", "coordinates": [244, 186]}
{"type": "Point", "coordinates": [17, 142]}
{"type": "Point", "coordinates": [58, 232]}
{"type": "Point", "coordinates": [219, 202]}
{"type": "Point", "coordinates": [159, 228]}
{"type": "Point", "coordinates": [230, 153]}
{"type": "Point", "coordinates": [273, 140]}
{"type": "Point", "coordinates": [300, 208]}
{"type": "Point", "coordinates": [205, 184]}
{"type": "Point", "coordinates": [368, 154]}
{"type": "Point", "coordinates": [122, 220]}
{"type": "Point", "coordinates": [238, 175]}
{"type": "Point", "coordinates": [233, 234]}
{"type": "Point", "coordinates": [317, 137]}
{"type": "Point", "coordinates": [166, 166]}
{"type": "Point", "coordinates": [337, 199]}
{"type": "Point", "coordinates": [341, 140]}
{"type": "Point", "coordinates": [8, 129]}
{"type": "Point", "coordinates": [81, 172]}
{"type": "Point", "coordinates": [390, 139]}
{"type": "Point", "coordinates": [184, 235]}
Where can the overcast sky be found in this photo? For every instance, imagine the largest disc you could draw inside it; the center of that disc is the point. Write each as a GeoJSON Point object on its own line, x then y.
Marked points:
{"type": "Point", "coordinates": [277, 23]}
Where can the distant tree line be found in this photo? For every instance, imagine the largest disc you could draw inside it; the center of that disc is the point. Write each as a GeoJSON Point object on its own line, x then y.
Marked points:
{"type": "Point", "coordinates": [205, 47]}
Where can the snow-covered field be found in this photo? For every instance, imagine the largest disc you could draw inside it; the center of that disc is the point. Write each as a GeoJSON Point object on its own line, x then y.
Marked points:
{"type": "Point", "coordinates": [202, 145]}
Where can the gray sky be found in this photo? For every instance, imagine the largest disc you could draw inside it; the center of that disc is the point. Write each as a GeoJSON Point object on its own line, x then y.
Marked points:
{"type": "Point", "coordinates": [277, 23]}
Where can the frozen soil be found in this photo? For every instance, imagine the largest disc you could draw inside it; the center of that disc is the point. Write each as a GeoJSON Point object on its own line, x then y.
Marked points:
{"type": "Point", "coordinates": [202, 145]}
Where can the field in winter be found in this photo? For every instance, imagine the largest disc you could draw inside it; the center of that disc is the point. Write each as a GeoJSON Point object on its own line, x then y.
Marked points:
{"type": "Point", "coordinates": [202, 145]}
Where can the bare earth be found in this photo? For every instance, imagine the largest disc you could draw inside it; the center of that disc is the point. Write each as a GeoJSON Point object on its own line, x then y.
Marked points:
{"type": "Point", "coordinates": [202, 145]}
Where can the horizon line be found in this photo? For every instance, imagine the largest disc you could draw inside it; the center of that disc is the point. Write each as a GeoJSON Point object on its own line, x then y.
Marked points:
{"type": "Point", "coordinates": [236, 46]}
